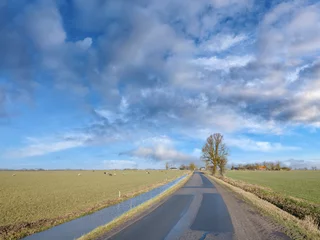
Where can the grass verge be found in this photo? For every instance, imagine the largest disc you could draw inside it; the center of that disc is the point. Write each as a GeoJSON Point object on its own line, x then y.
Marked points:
{"type": "Point", "coordinates": [294, 227]}
{"type": "Point", "coordinates": [295, 183]}
{"type": "Point", "coordinates": [98, 232]}
{"type": "Point", "coordinates": [23, 229]}
{"type": "Point", "coordinates": [297, 207]}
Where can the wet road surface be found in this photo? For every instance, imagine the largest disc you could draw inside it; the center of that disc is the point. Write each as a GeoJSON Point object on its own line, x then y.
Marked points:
{"type": "Point", "coordinates": [198, 211]}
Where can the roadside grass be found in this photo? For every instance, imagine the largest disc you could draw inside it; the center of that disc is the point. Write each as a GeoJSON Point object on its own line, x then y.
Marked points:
{"type": "Point", "coordinates": [281, 208]}
{"type": "Point", "coordinates": [299, 184]}
{"type": "Point", "coordinates": [297, 207]}
{"type": "Point", "coordinates": [133, 213]}
{"type": "Point", "coordinates": [34, 201]}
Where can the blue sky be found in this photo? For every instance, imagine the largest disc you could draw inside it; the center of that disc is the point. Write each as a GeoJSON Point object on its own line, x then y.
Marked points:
{"type": "Point", "coordinates": [113, 84]}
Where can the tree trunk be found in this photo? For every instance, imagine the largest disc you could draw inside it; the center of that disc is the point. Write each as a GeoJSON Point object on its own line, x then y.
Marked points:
{"type": "Point", "coordinates": [221, 173]}
{"type": "Point", "coordinates": [214, 169]}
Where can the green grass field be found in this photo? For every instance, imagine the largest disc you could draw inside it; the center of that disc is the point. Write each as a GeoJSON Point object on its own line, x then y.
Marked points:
{"type": "Point", "coordinates": [32, 196]}
{"type": "Point", "coordinates": [300, 184]}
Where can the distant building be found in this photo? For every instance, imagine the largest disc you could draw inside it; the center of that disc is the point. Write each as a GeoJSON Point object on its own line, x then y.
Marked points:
{"type": "Point", "coordinates": [210, 167]}
{"type": "Point", "coordinates": [173, 168]}
{"type": "Point", "coordinates": [202, 169]}
{"type": "Point", "coordinates": [262, 168]}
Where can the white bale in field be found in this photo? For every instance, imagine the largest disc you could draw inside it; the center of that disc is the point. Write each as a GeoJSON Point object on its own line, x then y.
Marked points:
{"type": "Point", "coordinates": [79, 174]}
{"type": "Point", "coordinates": [114, 174]}
{"type": "Point", "coordinates": [13, 175]}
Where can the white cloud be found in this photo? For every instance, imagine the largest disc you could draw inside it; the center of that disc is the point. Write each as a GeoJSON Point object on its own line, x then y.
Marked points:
{"type": "Point", "coordinates": [298, 164]}
{"type": "Point", "coordinates": [261, 146]}
{"type": "Point", "coordinates": [42, 146]}
{"type": "Point", "coordinates": [110, 115]}
{"type": "Point", "coordinates": [45, 25]}
{"type": "Point", "coordinates": [279, 11]}
{"type": "Point", "coordinates": [37, 149]}
{"type": "Point", "coordinates": [226, 3]}
{"type": "Point", "coordinates": [214, 63]}
{"type": "Point", "coordinates": [304, 31]}
{"type": "Point", "coordinates": [223, 42]}
{"type": "Point", "coordinates": [119, 164]}
{"type": "Point", "coordinates": [155, 140]}
{"type": "Point", "coordinates": [294, 75]}
{"type": "Point", "coordinates": [196, 152]}
{"type": "Point", "coordinates": [160, 152]}
{"type": "Point", "coordinates": [162, 89]}
{"type": "Point", "coordinates": [291, 30]}
{"type": "Point", "coordinates": [85, 43]}
{"type": "Point", "coordinates": [115, 114]}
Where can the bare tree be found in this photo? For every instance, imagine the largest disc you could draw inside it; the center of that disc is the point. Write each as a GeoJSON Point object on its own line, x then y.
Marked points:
{"type": "Point", "coordinates": [192, 166]}
{"type": "Point", "coordinates": [207, 165]}
{"type": "Point", "coordinates": [272, 166]}
{"type": "Point", "coordinates": [215, 152]}
{"type": "Point", "coordinates": [277, 166]}
{"type": "Point", "coordinates": [232, 166]}
{"type": "Point", "coordinates": [167, 166]}
{"type": "Point", "coordinates": [182, 167]}
{"type": "Point", "coordinates": [222, 164]}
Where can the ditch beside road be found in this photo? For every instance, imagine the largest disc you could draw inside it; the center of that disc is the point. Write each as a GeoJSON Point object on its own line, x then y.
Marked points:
{"type": "Point", "coordinates": [202, 210]}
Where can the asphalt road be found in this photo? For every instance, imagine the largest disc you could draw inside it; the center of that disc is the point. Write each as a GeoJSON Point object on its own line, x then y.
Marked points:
{"type": "Point", "coordinates": [201, 210]}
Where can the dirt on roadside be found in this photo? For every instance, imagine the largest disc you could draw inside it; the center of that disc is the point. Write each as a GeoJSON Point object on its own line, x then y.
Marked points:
{"type": "Point", "coordinates": [248, 223]}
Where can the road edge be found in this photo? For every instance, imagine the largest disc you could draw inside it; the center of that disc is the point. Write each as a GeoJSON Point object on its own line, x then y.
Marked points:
{"type": "Point", "coordinates": [293, 227]}
{"type": "Point", "coordinates": [135, 214]}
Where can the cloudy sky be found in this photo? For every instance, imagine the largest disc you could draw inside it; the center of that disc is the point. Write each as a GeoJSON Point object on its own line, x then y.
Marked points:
{"type": "Point", "coordinates": [119, 83]}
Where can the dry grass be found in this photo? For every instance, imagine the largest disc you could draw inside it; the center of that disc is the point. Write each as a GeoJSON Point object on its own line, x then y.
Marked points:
{"type": "Point", "coordinates": [296, 228]}
{"type": "Point", "coordinates": [100, 231]}
{"type": "Point", "coordinates": [34, 201]}
{"type": "Point", "coordinates": [297, 207]}
{"type": "Point", "coordinates": [299, 184]}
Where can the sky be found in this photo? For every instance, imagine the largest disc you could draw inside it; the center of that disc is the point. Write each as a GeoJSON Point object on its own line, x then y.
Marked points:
{"type": "Point", "coordinates": [138, 83]}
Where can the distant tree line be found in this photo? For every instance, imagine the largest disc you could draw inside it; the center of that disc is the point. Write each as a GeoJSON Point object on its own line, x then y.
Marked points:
{"type": "Point", "coordinates": [191, 167]}
{"type": "Point", "coordinates": [268, 166]}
